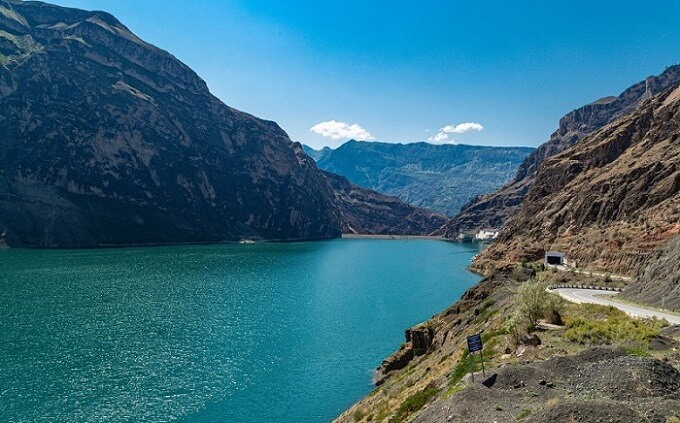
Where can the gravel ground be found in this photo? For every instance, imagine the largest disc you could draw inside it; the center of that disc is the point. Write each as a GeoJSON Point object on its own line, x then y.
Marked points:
{"type": "Point", "coordinates": [598, 385]}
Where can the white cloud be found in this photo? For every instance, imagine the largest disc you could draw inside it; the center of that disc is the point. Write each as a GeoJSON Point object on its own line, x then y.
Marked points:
{"type": "Point", "coordinates": [341, 130]}
{"type": "Point", "coordinates": [462, 128]}
{"type": "Point", "coordinates": [442, 137]}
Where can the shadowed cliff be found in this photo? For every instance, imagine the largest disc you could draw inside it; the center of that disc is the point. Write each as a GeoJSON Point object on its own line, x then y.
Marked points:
{"type": "Point", "coordinates": [108, 140]}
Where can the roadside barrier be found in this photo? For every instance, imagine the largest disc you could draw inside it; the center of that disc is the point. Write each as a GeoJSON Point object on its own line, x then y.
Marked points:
{"type": "Point", "coordinates": [599, 288]}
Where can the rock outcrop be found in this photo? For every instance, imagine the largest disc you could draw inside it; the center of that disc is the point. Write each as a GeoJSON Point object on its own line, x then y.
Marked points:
{"type": "Point", "coordinates": [437, 177]}
{"type": "Point", "coordinates": [495, 209]}
{"type": "Point", "coordinates": [419, 340]}
{"type": "Point", "coordinates": [609, 201]}
{"type": "Point", "coordinates": [658, 283]}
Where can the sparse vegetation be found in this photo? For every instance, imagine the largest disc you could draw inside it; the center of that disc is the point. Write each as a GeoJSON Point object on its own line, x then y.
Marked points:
{"type": "Point", "coordinates": [382, 413]}
{"type": "Point", "coordinates": [461, 369]}
{"type": "Point", "coordinates": [414, 403]}
{"type": "Point", "coordinates": [591, 324]}
{"type": "Point", "coordinates": [523, 414]}
{"type": "Point", "coordinates": [512, 326]}
{"type": "Point", "coordinates": [533, 302]}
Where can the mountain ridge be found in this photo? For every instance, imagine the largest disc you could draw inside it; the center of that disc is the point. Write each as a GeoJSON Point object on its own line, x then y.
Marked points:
{"type": "Point", "coordinates": [108, 140]}
{"type": "Point", "coordinates": [438, 177]}
{"type": "Point", "coordinates": [494, 209]}
{"type": "Point", "coordinates": [608, 201]}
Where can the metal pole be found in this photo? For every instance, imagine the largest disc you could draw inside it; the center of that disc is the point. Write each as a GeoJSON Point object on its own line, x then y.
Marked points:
{"type": "Point", "coordinates": [481, 356]}
{"type": "Point", "coordinates": [472, 366]}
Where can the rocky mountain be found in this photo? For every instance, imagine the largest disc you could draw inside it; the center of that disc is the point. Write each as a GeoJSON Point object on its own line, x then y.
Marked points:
{"type": "Point", "coordinates": [316, 154]}
{"type": "Point", "coordinates": [658, 284]}
{"type": "Point", "coordinates": [364, 211]}
{"type": "Point", "coordinates": [495, 209]}
{"type": "Point", "coordinates": [438, 177]}
{"type": "Point", "coordinates": [108, 140]}
{"type": "Point", "coordinates": [610, 200]}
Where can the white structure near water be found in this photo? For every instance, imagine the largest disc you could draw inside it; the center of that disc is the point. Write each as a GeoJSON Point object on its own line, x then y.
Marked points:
{"type": "Point", "coordinates": [483, 236]}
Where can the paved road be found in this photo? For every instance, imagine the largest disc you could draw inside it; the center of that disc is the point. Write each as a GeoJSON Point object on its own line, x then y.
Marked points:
{"type": "Point", "coordinates": [604, 298]}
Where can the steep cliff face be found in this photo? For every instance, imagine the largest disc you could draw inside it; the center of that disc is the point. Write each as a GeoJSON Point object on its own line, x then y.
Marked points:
{"type": "Point", "coordinates": [658, 284]}
{"type": "Point", "coordinates": [107, 140]}
{"type": "Point", "coordinates": [438, 177]}
{"type": "Point", "coordinates": [363, 211]}
{"type": "Point", "coordinates": [608, 201]}
{"type": "Point", "coordinates": [495, 209]}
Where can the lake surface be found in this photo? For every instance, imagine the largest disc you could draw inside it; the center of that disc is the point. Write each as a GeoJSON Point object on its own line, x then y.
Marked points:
{"type": "Point", "coordinates": [226, 333]}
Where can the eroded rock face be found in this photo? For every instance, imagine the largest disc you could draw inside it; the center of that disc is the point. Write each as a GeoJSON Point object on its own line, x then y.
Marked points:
{"type": "Point", "coordinates": [107, 140]}
{"type": "Point", "coordinates": [610, 200]}
{"type": "Point", "coordinates": [658, 283]}
{"type": "Point", "coordinates": [495, 209]}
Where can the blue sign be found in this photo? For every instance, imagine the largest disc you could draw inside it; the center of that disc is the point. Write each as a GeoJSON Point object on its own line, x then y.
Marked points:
{"type": "Point", "coordinates": [474, 343]}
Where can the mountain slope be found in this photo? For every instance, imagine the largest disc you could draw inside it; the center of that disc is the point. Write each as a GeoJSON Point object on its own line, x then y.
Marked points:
{"type": "Point", "coordinates": [658, 284]}
{"type": "Point", "coordinates": [438, 177]}
{"type": "Point", "coordinates": [316, 154]}
{"type": "Point", "coordinates": [108, 140]}
{"type": "Point", "coordinates": [495, 209]}
{"type": "Point", "coordinates": [610, 200]}
{"type": "Point", "coordinates": [363, 211]}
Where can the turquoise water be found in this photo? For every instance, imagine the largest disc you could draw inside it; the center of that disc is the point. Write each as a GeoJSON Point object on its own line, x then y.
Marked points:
{"type": "Point", "coordinates": [230, 333]}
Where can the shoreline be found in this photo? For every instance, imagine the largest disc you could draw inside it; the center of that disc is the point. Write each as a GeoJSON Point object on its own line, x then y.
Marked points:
{"type": "Point", "coordinates": [243, 241]}
{"type": "Point", "coordinates": [392, 237]}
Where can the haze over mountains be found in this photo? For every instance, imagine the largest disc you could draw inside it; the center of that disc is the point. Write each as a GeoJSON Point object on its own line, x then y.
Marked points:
{"type": "Point", "coordinates": [438, 177]}
{"type": "Point", "coordinates": [108, 140]}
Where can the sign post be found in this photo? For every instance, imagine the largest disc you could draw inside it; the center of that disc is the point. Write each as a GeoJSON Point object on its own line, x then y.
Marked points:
{"type": "Point", "coordinates": [475, 344]}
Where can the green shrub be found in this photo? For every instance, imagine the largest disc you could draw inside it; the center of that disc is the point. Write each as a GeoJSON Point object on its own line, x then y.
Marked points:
{"type": "Point", "coordinates": [459, 372]}
{"type": "Point", "coordinates": [533, 302]}
{"type": "Point", "coordinates": [413, 403]}
{"type": "Point", "coordinates": [513, 326]}
{"type": "Point", "coordinates": [524, 413]}
{"type": "Point", "coordinates": [591, 324]}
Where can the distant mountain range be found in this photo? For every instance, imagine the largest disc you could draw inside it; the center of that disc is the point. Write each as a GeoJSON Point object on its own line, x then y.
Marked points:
{"type": "Point", "coordinates": [439, 177]}
{"type": "Point", "coordinates": [108, 140]}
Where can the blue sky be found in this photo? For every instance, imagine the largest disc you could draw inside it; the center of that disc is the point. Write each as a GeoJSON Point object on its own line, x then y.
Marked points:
{"type": "Point", "coordinates": [402, 70]}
